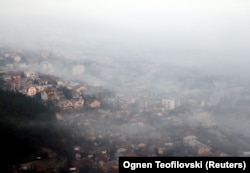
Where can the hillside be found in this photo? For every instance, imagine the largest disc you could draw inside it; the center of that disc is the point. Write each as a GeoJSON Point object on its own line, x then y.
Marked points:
{"type": "Point", "coordinates": [26, 126]}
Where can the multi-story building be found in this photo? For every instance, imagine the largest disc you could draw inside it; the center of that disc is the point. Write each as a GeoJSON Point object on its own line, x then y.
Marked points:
{"type": "Point", "coordinates": [169, 104]}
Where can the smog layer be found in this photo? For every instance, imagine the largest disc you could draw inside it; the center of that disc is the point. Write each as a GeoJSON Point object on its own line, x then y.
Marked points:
{"type": "Point", "coordinates": [130, 78]}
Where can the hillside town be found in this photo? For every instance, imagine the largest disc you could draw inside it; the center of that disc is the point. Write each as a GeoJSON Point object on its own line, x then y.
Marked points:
{"type": "Point", "coordinates": [152, 117]}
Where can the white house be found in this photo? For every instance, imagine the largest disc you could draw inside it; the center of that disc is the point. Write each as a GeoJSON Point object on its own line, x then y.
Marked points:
{"type": "Point", "coordinates": [29, 90]}
{"type": "Point", "coordinates": [30, 74]}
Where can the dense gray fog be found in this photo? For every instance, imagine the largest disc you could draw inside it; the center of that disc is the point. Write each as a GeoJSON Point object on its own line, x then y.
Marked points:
{"type": "Point", "coordinates": [145, 51]}
{"type": "Point", "coordinates": [212, 34]}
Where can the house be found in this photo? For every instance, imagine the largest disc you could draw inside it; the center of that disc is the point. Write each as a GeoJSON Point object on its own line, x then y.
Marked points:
{"type": "Point", "coordinates": [30, 74]}
{"type": "Point", "coordinates": [43, 82]}
{"type": "Point", "coordinates": [59, 95]}
{"type": "Point", "coordinates": [61, 82]}
{"type": "Point", "coordinates": [121, 150]}
{"type": "Point", "coordinates": [204, 150]}
{"type": "Point", "coordinates": [48, 94]}
{"type": "Point", "coordinates": [75, 90]}
{"type": "Point", "coordinates": [161, 150]}
{"type": "Point", "coordinates": [75, 94]}
{"type": "Point", "coordinates": [93, 103]}
{"type": "Point", "coordinates": [16, 76]}
{"type": "Point", "coordinates": [72, 169]}
{"type": "Point", "coordinates": [77, 148]}
{"type": "Point", "coordinates": [44, 96]}
{"type": "Point", "coordinates": [142, 144]}
{"type": "Point", "coordinates": [79, 88]}
{"type": "Point", "coordinates": [26, 166]}
{"type": "Point", "coordinates": [190, 140]}
{"type": "Point", "coordinates": [65, 104]}
{"type": "Point", "coordinates": [17, 58]}
{"type": "Point", "coordinates": [29, 90]}
{"type": "Point", "coordinates": [77, 103]}
{"type": "Point", "coordinates": [70, 85]}
{"type": "Point", "coordinates": [39, 88]}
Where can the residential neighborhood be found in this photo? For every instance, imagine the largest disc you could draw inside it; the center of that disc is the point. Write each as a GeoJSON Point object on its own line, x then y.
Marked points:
{"type": "Point", "coordinates": [110, 116]}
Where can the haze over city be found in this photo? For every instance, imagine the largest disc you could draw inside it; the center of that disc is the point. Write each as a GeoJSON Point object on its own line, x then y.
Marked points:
{"type": "Point", "coordinates": [127, 78]}
{"type": "Point", "coordinates": [184, 32]}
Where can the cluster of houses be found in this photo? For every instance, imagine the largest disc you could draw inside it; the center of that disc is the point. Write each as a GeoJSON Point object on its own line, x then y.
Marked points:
{"type": "Point", "coordinates": [137, 126]}
{"type": "Point", "coordinates": [62, 94]}
{"type": "Point", "coordinates": [104, 158]}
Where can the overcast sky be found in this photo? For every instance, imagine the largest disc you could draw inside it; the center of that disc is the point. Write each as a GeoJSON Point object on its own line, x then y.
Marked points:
{"type": "Point", "coordinates": [198, 31]}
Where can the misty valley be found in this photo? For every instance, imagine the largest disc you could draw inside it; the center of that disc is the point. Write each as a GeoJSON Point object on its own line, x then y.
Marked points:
{"type": "Point", "coordinates": [61, 114]}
